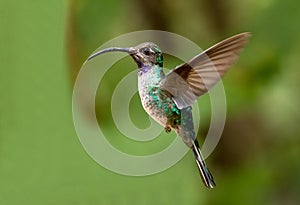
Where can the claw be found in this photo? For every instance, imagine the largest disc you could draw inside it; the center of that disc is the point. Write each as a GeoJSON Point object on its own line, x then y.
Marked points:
{"type": "Point", "coordinates": [168, 128]}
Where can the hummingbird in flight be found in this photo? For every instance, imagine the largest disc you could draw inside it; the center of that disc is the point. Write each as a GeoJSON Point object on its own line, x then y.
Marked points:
{"type": "Point", "coordinates": [168, 98]}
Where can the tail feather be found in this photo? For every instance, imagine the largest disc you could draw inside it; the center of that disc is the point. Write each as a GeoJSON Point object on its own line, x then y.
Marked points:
{"type": "Point", "coordinates": [206, 176]}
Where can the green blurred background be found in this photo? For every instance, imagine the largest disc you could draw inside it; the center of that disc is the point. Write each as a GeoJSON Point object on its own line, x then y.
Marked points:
{"type": "Point", "coordinates": [43, 45]}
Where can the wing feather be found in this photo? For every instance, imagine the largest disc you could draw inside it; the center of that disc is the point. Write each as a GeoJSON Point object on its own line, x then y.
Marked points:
{"type": "Point", "coordinates": [192, 79]}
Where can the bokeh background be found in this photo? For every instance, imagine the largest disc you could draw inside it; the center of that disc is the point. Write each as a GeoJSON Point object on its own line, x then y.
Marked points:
{"type": "Point", "coordinates": [42, 47]}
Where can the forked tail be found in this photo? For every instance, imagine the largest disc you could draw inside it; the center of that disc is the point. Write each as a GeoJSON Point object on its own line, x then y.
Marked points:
{"type": "Point", "coordinates": [206, 176]}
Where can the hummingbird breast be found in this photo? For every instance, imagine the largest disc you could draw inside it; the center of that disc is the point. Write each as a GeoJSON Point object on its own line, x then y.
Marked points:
{"type": "Point", "coordinates": [156, 102]}
{"type": "Point", "coordinates": [160, 106]}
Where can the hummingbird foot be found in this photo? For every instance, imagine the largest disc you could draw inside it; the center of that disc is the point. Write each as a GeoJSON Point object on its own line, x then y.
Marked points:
{"type": "Point", "coordinates": [168, 128]}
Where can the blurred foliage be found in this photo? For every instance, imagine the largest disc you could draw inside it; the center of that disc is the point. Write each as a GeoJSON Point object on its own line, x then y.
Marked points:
{"type": "Point", "coordinates": [43, 45]}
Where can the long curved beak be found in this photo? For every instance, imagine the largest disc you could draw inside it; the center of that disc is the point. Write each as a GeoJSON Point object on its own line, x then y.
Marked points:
{"type": "Point", "coordinates": [127, 50]}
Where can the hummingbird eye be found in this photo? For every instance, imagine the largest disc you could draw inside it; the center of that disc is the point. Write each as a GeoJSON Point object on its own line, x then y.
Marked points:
{"type": "Point", "coordinates": [146, 51]}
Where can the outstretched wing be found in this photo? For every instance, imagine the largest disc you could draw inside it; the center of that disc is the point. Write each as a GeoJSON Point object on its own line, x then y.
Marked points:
{"type": "Point", "coordinates": [192, 79]}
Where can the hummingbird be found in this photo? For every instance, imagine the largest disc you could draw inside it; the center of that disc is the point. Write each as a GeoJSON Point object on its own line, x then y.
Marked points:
{"type": "Point", "coordinates": [168, 98]}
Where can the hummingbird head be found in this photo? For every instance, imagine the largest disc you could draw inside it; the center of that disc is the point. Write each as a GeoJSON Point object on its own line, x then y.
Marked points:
{"type": "Point", "coordinates": [144, 54]}
{"type": "Point", "coordinates": [147, 54]}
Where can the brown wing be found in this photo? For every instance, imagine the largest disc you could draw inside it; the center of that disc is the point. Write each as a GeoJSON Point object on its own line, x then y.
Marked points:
{"type": "Point", "coordinates": [192, 79]}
